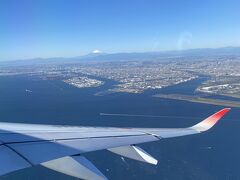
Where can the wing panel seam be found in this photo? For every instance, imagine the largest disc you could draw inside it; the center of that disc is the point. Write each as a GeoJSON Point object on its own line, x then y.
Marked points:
{"type": "Point", "coordinates": [69, 139]}
{"type": "Point", "coordinates": [19, 154]}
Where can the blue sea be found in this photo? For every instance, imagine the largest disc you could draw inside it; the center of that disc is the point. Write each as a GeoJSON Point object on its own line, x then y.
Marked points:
{"type": "Point", "coordinates": [212, 155]}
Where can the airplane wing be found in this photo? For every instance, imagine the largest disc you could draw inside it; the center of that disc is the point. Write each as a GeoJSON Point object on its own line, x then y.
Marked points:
{"type": "Point", "coordinates": [61, 148]}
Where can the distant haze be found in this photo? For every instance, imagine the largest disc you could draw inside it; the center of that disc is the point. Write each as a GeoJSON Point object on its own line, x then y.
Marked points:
{"type": "Point", "coordinates": [189, 54]}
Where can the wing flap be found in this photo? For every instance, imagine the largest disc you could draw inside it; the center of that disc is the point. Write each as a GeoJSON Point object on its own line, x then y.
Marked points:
{"type": "Point", "coordinates": [134, 152]}
{"type": "Point", "coordinates": [76, 166]}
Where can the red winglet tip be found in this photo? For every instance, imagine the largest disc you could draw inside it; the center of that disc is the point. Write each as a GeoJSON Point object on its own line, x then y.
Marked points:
{"type": "Point", "coordinates": [211, 120]}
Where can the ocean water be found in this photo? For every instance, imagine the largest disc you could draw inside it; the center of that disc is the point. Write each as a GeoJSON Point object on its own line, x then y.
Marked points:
{"type": "Point", "coordinates": [211, 155]}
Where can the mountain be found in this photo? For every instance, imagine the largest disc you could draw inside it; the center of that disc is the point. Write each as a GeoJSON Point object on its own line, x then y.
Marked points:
{"type": "Point", "coordinates": [104, 57]}
{"type": "Point", "coordinates": [164, 55]}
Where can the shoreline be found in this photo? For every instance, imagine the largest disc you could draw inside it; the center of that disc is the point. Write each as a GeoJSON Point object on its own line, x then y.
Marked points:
{"type": "Point", "coordinates": [198, 99]}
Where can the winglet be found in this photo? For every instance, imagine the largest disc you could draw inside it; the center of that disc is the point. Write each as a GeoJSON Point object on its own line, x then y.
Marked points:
{"type": "Point", "coordinates": [210, 121]}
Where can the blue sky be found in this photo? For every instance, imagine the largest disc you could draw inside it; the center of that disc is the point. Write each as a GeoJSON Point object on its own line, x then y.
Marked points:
{"type": "Point", "coordinates": [53, 28]}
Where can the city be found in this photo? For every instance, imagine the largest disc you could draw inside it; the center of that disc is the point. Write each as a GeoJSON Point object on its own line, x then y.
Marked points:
{"type": "Point", "coordinates": [138, 76]}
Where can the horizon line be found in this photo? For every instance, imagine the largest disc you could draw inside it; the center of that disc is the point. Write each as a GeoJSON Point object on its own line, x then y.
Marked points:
{"type": "Point", "coordinates": [120, 52]}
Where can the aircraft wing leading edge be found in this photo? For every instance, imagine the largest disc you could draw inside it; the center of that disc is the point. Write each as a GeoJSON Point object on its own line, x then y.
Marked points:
{"type": "Point", "coordinates": [27, 145]}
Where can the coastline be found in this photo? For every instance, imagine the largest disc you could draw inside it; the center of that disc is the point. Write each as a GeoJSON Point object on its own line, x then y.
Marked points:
{"type": "Point", "coordinates": [198, 99]}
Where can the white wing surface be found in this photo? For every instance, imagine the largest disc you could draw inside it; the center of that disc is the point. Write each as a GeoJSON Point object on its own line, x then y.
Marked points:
{"type": "Point", "coordinates": [26, 145]}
